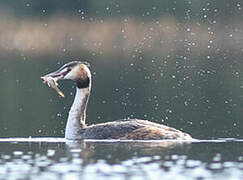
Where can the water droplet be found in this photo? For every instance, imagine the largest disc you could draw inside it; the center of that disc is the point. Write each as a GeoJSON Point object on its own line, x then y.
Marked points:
{"type": "Point", "coordinates": [17, 153]}
{"type": "Point", "coordinates": [186, 103]}
{"type": "Point", "coordinates": [51, 152]}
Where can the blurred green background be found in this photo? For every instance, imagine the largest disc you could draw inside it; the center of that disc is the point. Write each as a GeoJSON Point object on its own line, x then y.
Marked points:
{"type": "Point", "coordinates": [173, 62]}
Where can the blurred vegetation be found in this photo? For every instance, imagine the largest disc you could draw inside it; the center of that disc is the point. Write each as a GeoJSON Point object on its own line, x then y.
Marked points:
{"type": "Point", "coordinates": [173, 62]}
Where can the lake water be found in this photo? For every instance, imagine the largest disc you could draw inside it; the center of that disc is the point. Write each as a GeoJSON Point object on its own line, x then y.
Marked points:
{"type": "Point", "coordinates": [177, 63]}
{"type": "Point", "coordinates": [56, 158]}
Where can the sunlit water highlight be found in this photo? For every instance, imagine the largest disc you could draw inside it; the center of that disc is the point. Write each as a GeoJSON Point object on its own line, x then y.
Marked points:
{"type": "Point", "coordinates": [58, 158]}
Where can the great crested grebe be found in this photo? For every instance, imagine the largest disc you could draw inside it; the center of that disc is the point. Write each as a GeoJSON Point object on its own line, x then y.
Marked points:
{"type": "Point", "coordinates": [76, 127]}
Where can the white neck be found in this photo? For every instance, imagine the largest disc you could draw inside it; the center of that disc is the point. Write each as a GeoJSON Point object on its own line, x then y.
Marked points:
{"type": "Point", "coordinates": [77, 113]}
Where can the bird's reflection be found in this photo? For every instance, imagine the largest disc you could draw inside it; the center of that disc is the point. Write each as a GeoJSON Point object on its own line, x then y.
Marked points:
{"type": "Point", "coordinates": [112, 152]}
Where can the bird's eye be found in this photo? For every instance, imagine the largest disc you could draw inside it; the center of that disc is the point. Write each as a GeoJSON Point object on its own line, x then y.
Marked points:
{"type": "Point", "coordinates": [69, 69]}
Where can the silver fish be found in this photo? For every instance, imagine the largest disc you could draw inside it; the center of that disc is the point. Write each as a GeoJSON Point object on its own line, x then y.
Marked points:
{"type": "Point", "coordinates": [53, 84]}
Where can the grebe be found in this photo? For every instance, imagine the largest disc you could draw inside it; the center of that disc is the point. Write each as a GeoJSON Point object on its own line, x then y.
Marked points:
{"type": "Point", "coordinates": [76, 128]}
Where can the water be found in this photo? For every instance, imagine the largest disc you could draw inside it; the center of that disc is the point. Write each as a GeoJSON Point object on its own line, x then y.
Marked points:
{"type": "Point", "coordinates": [56, 158]}
{"type": "Point", "coordinates": [173, 62]}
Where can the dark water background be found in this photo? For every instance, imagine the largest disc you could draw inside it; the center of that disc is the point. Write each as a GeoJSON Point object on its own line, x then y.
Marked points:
{"type": "Point", "coordinates": [173, 62]}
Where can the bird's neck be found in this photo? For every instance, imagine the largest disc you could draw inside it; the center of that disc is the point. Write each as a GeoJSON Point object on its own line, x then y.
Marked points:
{"type": "Point", "coordinates": [77, 113]}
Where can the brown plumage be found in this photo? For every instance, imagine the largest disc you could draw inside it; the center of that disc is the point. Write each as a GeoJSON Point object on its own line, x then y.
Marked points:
{"type": "Point", "coordinates": [135, 129]}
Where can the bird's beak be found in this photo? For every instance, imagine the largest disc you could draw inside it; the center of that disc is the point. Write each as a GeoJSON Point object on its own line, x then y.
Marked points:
{"type": "Point", "coordinates": [57, 75]}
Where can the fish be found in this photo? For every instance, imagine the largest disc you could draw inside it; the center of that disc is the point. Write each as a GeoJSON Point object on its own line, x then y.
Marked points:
{"type": "Point", "coordinates": [51, 82]}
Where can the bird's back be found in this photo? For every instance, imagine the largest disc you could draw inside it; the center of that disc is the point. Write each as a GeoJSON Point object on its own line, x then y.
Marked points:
{"type": "Point", "coordinates": [132, 129]}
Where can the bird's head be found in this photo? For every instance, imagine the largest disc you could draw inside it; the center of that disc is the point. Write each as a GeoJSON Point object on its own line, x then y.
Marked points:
{"type": "Point", "coordinates": [76, 71]}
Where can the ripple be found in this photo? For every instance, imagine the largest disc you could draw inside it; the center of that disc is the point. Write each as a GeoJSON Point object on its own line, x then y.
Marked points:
{"type": "Point", "coordinates": [53, 158]}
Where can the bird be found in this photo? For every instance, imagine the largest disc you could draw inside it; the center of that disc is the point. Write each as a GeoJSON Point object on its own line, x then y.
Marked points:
{"type": "Point", "coordinates": [123, 129]}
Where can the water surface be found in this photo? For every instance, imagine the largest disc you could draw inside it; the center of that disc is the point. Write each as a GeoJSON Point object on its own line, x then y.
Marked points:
{"type": "Point", "coordinates": [57, 158]}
